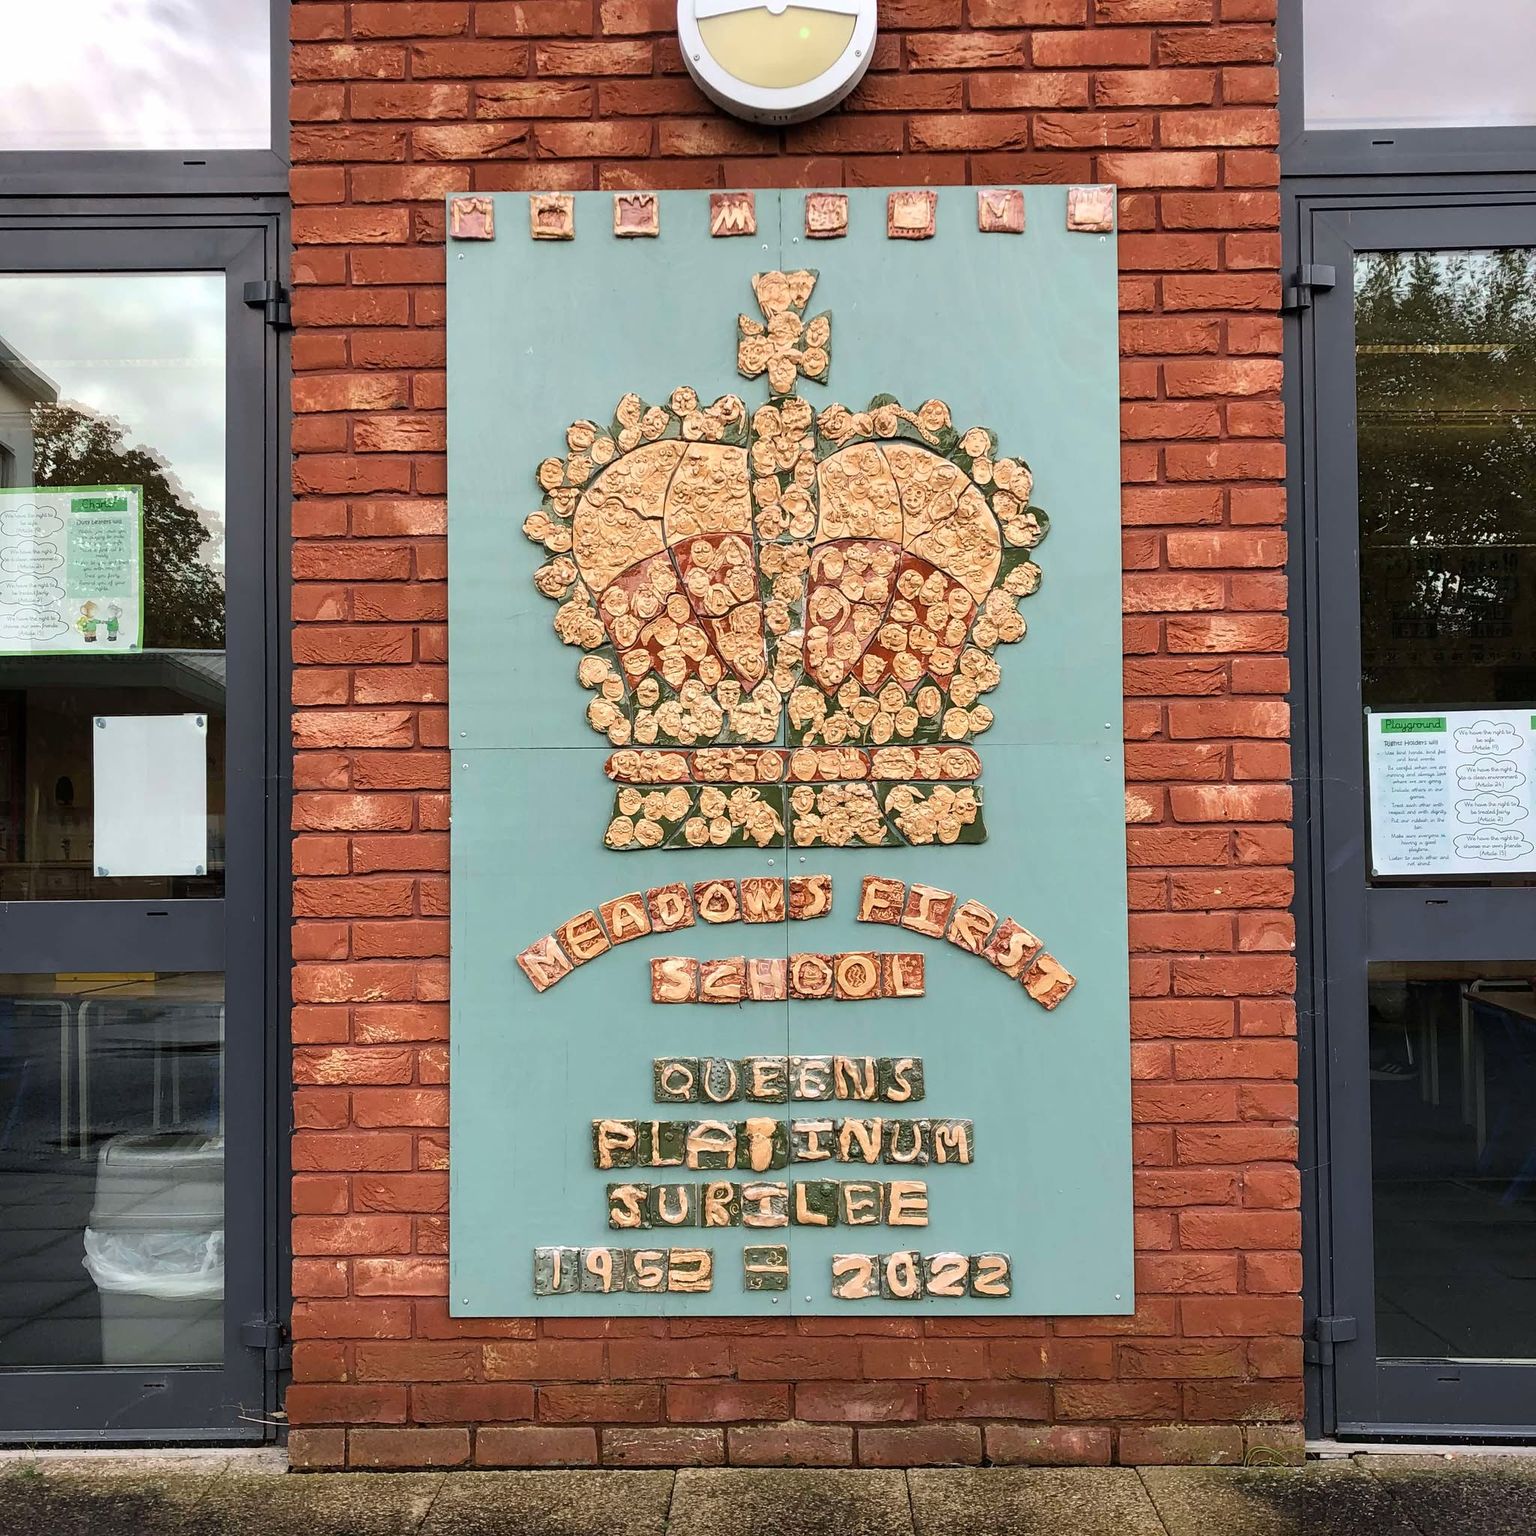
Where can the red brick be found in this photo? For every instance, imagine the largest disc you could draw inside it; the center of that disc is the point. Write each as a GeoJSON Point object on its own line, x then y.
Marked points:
{"type": "Point", "coordinates": [1152, 846]}
{"type": "Point", "coordinates": [471, 1404]}
{"type": "Point", "coordinates": [725, 1402]}
{"type": "Point", "coordinates": [1050, 1359]}
{"type": "Point", "coordinates": [795, 1359]}
{"type": "Point", "coordinates": [857, 1402]}
{"type": "Point", "coordinates": [535, 1445]}
{"type": "Point", "coordinates": [1117, 12]}
{"type": "Point", "coordinates": [1154, 88]}
{"type": "Point", "coordinates": [1183, 1104]}
{"type": "Point", "coordinates": [341, 1404]}
{"type": "Point", "coordinates": [789, 1445]}
{"type": "Point", "coordinates": [1272, 1272]}
{"type": "Point", "coordinates": [592, 58]}
{"type": "Point", "coordinates": [1031, 88]}
{"type": "Point", "coordinates": [1161, 1445]}
{"type": "Point", "coordinates": [599, 1403]}
{"type": "Point", "coordinates": [921, 1445]}
{"type": "Point", "coordinates": [391, 1449]}
{"type": "Point", "coordinates": [1020, 13]}
{"type": "Point", "coordinates": [1057, 1446]}
{"type": "Point", "coordinates": [1186, 1273]}
{"type": "Point", "coordinates": [317, 1450]}
{"type": "Point", "coordinates": [1272, 1401]}
{"type": "Point", "coordinates": [532, 18]}
{"type": "Point", "coordinates": [663, 1447]}
{"type": "Point", "coordinates": [1097, 49]}
{"type": "Point", "coordinates": [901, 1359]}
{"type": "Point", "coordinates": [996, 50]}
{"type": "Point", "coordinates": [1227, 717]}
{"type": "Point", "coordinates": [988, 1400]}
{"type": "Point", "coordinates": [1183, 1360]}
{"type": "Point", "coordinates": [1181, 1018]}
{"type": "Point", "coordinates": [1241, 1316]}
{"type": "Point", "coordinates": [346, 61]}
{"type": "Point", "coordinates": [1111, 1400]}
{"type": "Point", "coordinates": [411, 18]}
{"type": "Point", "coordinates": [1217, 45]}
{"type": "Point", "coordinates": [1239, 1229]}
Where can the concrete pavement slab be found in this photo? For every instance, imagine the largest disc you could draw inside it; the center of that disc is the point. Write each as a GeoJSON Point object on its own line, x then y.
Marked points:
{"type": "Point", "coordinates": [789, 1502]}
{"type": "Point", "coordinates": [551, 1504]}
{"type": "Point", "coordinates": [1460, 1495]}
{"type": "Point", "coordinates": [1332, 1498]}
{"type": "Point", "coordinates": [1032, 1501]}
{"type": "Point", "coordinates": [116, 1496]}
{"type": "Point", "coordinates": [341, 1504]}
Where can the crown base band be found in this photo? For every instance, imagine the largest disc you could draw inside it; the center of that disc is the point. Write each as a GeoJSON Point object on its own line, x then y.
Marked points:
{"type": "Point", "coordinates": [792, 765]}
{"type": "Point", "coordinates": [837, 814]}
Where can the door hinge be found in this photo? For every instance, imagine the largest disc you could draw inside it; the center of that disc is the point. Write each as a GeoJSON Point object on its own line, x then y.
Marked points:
{"type": "Point", "coordinates": [264, 1333]}
{"type": "Point", "coordinates": [1309, 279]}
{"type": "Point", "coordinates": [1324, 1334]}
{"type": "Point", "coordinates": [272, 298]}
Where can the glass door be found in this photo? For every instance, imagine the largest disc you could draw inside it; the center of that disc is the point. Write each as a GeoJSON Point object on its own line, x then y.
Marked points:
{"type": "Point", "coordinates": [135, 539]}
{"type": "Point", "coordinates": [1420, 627]}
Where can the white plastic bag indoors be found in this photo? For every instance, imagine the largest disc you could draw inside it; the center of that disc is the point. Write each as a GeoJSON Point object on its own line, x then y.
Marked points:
{"type": "Point", "coordinates": [170, 1266]}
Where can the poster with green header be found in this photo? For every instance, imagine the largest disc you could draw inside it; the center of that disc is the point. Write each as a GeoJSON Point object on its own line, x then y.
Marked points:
{"type": "Point", "coordinates": [1451, 791]}
{"type": "Point", "coordinates": [71, 570]}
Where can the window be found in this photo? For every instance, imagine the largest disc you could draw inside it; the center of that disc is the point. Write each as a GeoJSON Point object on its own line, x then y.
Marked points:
{"type": "Point", "coordinates": [137, 75]}
{"type": "Point", "coordinates": [1419, 63]}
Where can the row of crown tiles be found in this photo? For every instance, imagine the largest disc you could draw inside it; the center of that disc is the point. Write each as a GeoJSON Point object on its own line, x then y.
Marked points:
{"type": "Point", "coordinates": [910, 215]}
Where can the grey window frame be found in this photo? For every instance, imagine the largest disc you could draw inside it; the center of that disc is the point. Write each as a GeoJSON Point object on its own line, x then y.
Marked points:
{"type": "Point", "coordinates": [166, 173]}
{"type": "Point", "coordinates": [1381, 151]}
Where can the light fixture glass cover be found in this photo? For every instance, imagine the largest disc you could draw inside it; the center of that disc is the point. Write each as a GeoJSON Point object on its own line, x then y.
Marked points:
{"type": "Point", "coordinates": [773, 61]}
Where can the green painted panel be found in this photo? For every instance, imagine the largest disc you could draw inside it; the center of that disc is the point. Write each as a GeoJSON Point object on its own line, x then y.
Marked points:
{"type": "Point", "coordinates": [1017, 334]}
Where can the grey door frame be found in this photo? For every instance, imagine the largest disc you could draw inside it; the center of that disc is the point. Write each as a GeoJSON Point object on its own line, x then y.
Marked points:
{"type": "Point", "coordinates": [1343, 925]}
{"type": "Point", "coordinates": [244, 934]}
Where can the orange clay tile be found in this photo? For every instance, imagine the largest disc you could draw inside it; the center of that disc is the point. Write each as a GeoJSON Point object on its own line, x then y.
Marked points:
{"type": "Point", "coordinates": [809, 896]}
{"type": "Point", "coordinates": [762, 899]}
{"type": "Point", "coordinates": [927, 910]}
{"type": "Point", "coordinates": [971, 926]}
{"type": "Point", "coordinates": [674, 979]}
{"type": "Point", "coordinates": [881, 899]}
{"type": "Point", "coordinates": [544, 963]}
{"type": "Point", "coordinates": [856, 976]}
{"type": "Point", "coordinates": [717, 901]}
{"type": "Point", "coordinates": [723, 981]}
{"type": "Point", "coordinates": [810, 976]}
{"type": "Point", "coordinates": [582, 937]}
{"type": "Point", "coordinates": [1012, 948]}
{"type": "Point", "coordinates": [552, 216]}
{"type": "Point", "coordinates": [669, 907]}
{"type": "Point", "coordinates": [625, 917]}
{"type": "Point", "coordinates": [1048, 981]}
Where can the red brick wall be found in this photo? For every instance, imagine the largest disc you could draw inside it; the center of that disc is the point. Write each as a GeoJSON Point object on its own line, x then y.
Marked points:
{"type": "Point", "coordinates": [395, 105]}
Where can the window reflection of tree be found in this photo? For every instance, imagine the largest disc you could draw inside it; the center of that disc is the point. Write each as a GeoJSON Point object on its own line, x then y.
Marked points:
{"type": "Point", "coordinates": [1446, 390]}
{"type": "Point", "coordinates": [183, 593]}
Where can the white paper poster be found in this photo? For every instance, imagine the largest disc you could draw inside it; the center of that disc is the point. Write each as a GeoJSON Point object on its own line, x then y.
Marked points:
{"type": "Point", "coordinates": [150, 795]}
{"type": "Point", "coordinates": [1451, 794]}
{"type": "Point", "coordinates": [71, 570]}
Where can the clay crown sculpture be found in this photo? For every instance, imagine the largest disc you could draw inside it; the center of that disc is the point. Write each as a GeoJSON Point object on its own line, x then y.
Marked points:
{"type": "Point", "coordinates": [789, 619]}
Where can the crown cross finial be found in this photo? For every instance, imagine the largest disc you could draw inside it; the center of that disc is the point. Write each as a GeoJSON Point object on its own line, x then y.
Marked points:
{"type": "Point", "coordinates": [784, 344]}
